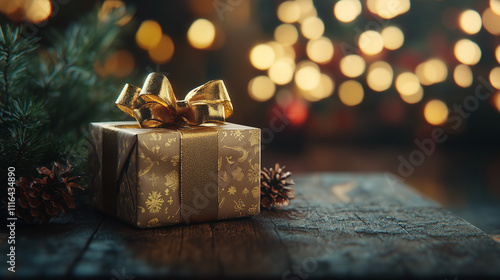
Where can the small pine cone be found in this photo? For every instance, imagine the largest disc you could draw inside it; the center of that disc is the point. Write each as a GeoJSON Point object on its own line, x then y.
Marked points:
{"type": "Point", "coordinates": [276, 187]}
{"type": "Point", "coordinates": [40, 199]}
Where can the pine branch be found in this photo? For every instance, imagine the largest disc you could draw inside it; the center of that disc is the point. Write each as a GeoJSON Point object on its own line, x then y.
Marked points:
{"type": "Point", "coordinates": [15, 54]}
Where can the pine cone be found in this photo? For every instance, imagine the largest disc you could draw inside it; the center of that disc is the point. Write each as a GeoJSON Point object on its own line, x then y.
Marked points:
{"type": "Point", "coordinates": [275, 188]}
{"type": "Point", "coordinates": [46, 197]}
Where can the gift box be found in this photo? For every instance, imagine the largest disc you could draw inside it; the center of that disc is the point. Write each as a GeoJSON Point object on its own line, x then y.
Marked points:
{"type": "Point", "coordinates": [178, 166]}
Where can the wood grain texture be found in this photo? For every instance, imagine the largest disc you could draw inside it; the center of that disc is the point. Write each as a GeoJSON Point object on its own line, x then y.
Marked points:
{"type": "Point", "coordinates": [339, 226]}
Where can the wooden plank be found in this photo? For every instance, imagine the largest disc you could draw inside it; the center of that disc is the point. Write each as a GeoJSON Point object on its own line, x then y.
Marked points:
{"type": "Point", "coordinates": [51, 250]}
{"type": "Point", "coordinates": [340, 225]}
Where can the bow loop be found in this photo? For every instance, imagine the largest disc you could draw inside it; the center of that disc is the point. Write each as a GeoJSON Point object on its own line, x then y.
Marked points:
{"type": "Point", "coordinates": [155, 104]}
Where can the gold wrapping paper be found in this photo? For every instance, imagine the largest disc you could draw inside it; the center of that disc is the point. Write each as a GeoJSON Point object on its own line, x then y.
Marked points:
{"type": "Point", "coordinates": [165, 176]}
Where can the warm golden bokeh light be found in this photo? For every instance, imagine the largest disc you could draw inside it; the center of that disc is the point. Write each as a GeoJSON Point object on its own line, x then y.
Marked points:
{"type": "Point", "coordinates": [306, 9]}
{"type": "Point", "coordinates": [352, 65]}
{"type": "Point", "coordinates": [286, 34]}
{"type": "Point", "coordinates": [320, 50]}
{"type": "Point", "coordinates": [261, 88]}
{"type": "Point", "coordinates": [371, 42]}
{"type": "Point", "coordinates": [380, 75]}
{"type": "Point", "coordinates": [289, 51]}
{"type": "Point", "coordinates": [467, 52]}
{"type": "Point", "coordinates": [201, 34]}
{"type": "Point", "coordinates": [9, 7]}
{"type": "Point", "coordinates": [312, 28]}
{"type": "Point", "coordinates": [431, 72]}
{"type": "Point", "coordinates": [470, 21]}
{"type": "Point", "coordinates": [413, 98]}
{"type": "Point", "coordinates": [37, 11]}
{"type": "Point", "coordinates": [149, 34]}
{"type": "Point", "coordinates": [491, 21]}
{"type": "Point", "coordinates": [163, 52]}
{"type": "Point", "coordinates": [262, 56]}
{"type": "Point", "coordinates": [119, 64]}
{"type": "Point", "coordinates": [347, 10]}
{"type": "Point", "coordinates": [307, 76]}
{"type": "Point", "coordinates": [495, 6]}
{"type": "Point", "coordinates": [351, 92]}
{"type": "Point", "coordinates": [435, 112]}
{"type": "Point", "coordinates": [495, 77]}
{"type": "Point", "coordinates": [288, 12]}
{"type": "Point", "coordinates": [388, 8]}
{"type": "Point", "coordinates": [496, 101]}
{"type": "Point", "coordinates": [323, 90]}
{"type": "Point", "coordinates": [281, 72]}
{"type": "Point", "coordinates": [407, 83]}
{"type": "Point", "coordinates": [108, 7]}
{"type": "Point", "coordinates": [497, 53]}
{"type": "Point", "coordinates": [463, 75]}
{"type": "Point", "coordinates": [393, 37]}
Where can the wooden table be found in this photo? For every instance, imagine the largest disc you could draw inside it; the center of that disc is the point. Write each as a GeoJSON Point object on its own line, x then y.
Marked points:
{"type": "Point", "coordinates": [339, 226]}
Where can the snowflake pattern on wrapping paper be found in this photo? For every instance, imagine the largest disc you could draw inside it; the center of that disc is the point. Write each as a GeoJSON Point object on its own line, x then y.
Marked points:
{"type": "Point", "coordinates": [239, 206]}
{"type": "Point", "coordinates": [253, 173]}
{"type": "Point", "coordinates": [237, 135]}
{"type": "Point", "coordinates": [231, 190]}
{"type": "Point", "coordinates": [154, 202]}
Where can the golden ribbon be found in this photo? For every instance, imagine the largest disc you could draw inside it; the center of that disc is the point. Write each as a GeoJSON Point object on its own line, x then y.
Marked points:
{"type": "Point", "coordinates": [155, 104]}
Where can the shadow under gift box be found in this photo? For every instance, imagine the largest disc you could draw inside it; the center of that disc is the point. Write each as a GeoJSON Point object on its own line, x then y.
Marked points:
{"type": "Point", "coordinates": [153, 177]}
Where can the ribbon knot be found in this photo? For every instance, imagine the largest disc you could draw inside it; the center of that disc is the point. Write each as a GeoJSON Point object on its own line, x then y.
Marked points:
{"type": "Point", "coordinates": [155, 104]}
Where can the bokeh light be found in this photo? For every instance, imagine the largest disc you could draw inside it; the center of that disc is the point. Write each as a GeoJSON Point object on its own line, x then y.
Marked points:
{"type": "Point", "coordinates": [436, 112]}
{"type": "Point", "coordinates": [288, 12]}
{"type": "Point", "coordinates": [352, 65]}
{"type": "Point", "coordinates": [201, 34]}
{"type": "Point", "coordinates": [320, 50]}
{"type": "Point", "coordinates": [393, 37]}
{"type": "Point", "coordinates": [467, 52]}
{"type": "Point", "coordinates": [495, 77]}
{"type": "Point", "coordinates": [495, 6]}
{"type": "Point", "coordinates": [351, 92]}
{"type": "Point", "coordinates": [496, 100]}
{"type": "Point", "coordinates": [261, 88]}
{"type": "Point", "coordinates": [491, 21]}
{"type": "Point", "coordinates": [9, 7]}
{"type": "Point", "coordinates": [286, 34]}
{"type": "Point", "coordinates": [281, 72]}
{"type": "Point", "coordinates": [470, 21]}
{"type": "Point", "coordinates": [431, 72]}
{"type": "Point", "coordinates": [163, 52]}
{"type": "Point", "coordinates": [37, 11]}
{"type": "Point", "coordinates": [347, 10]}
{"type": "Point", "coordinates": [497, 53]}
{"type": "Point", "coordinates": [148, 35]}
{"type": "Point", "coordinates": [312, 28]}
{"type": "Point", "coordinates": [371, 42]}
{"type": "Point", "coordinates": [413, 98]}
{"type": "Point", "coordinates": [463, 75]}
{"type": "Point", "coordinates": [307, 9]}
{"type": "Point", "coordinates": [307, 76]}
{"type": "Point", "coordinates": [119, 64]}
{"type": "Point", "coordinates": [324, 89]}
{"type": "Point", "coordinates": [297, 112]}
{"type": "Point", "coordinates": [388, 9]}
{"type": "Point", "coordinates": [380, 75]}
{"type": "Point", "coordinates": [407, 83]}
{"type": "Point", "coordinates": [262, 56]}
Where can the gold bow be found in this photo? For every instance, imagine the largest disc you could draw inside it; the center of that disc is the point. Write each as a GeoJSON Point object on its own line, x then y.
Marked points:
{"type": "Point", "coordinates": [155, 104]}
